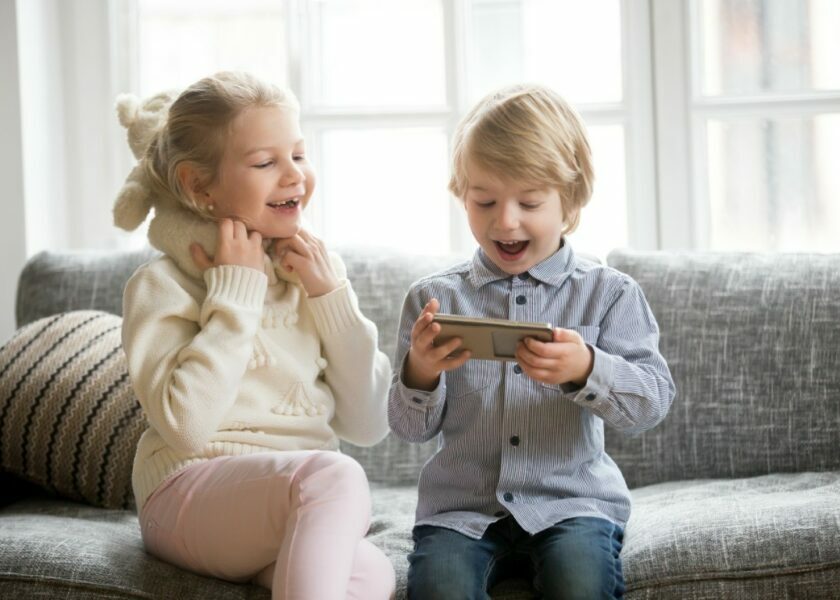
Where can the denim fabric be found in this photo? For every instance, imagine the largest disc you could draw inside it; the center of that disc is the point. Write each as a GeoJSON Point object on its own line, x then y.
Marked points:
{"type": "Point", "coordinates": [576, 558]}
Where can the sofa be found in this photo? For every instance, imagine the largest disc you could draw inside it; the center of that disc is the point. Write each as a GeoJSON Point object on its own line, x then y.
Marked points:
{"type": "Point", "coordinates": [736, 494]}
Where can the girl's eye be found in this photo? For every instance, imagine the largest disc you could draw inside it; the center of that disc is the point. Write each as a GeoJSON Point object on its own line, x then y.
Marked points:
{"type": "Point", "coordinates": [530, 206]}
{"type": "Point", "coordinates": [485, 203]}
{"type": "Point", "coordinates": [264, 165]}
{"type": "Point", "coordinates": [298, 157]}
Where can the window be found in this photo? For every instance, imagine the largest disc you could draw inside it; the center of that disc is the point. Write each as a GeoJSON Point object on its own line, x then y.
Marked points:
{"type": "Point", "coordinates": [763, 124]}
{"type": "Point", "coordinates": [713, 123]}
{"type": "Point", "coordinates": [383, 84]}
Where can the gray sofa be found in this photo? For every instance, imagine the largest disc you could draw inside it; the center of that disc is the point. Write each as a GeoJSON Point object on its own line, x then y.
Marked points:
{"type": "Point", "coordinates": [736, 494]}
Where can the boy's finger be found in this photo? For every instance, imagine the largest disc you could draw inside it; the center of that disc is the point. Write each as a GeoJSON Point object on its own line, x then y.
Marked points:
{"type": "Point", "coordinates": [565, 335]}
{"type": "Point", "coordinates": [459, 360]}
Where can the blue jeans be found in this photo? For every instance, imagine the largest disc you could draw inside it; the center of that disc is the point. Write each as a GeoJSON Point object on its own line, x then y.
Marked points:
{"type": "Point", "coordinates": [576, 558]}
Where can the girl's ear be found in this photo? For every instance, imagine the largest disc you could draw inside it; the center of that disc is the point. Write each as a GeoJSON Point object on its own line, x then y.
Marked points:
{"type": "Point", "coordinates": [192, 183]}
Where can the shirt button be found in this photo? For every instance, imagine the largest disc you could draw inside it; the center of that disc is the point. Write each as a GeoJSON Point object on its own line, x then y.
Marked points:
{"type": "Point", "coordinates": [521, 299]}
{"type": "Point", "coordinates": [590, 397]}
{"type": "Point", "coordinates": [517, 369]}
{"type": "Point", "coordinates": [508, 497]}
{"type": "Point", "coordinates": [514, 440]}
{"type": "Point", "coordinates": [499, 513]}
{"type": "Point", "coordinates": [523, 276]}
{"type": "Point", "coordinates": [417, 400]}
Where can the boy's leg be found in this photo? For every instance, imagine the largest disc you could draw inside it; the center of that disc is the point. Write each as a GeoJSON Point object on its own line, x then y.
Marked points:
{"type": "Point", "coordinates": [578, 558]}
{"type": "Point", "coordinates": [447, 565]}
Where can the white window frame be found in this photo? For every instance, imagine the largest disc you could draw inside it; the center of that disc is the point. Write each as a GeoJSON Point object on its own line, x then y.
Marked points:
{"type": "Point", "coordinates": [681, 116]}
{"type": "Point", "coordinates": [634, 113]}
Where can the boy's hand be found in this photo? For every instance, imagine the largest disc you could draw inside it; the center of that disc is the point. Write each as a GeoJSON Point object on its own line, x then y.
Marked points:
{"type": "Point", "coordinates": [235, 247]}
{"type": "Point", "coordinates": [565, 359]}
{"type": "Point", "coordinates": [425, 361]}
{"type": "Point", "coordinates": [306, 255]}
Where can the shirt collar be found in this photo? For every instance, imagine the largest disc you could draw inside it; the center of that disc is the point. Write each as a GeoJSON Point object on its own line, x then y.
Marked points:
{"type": "Point", "coordinates": [553, 270]}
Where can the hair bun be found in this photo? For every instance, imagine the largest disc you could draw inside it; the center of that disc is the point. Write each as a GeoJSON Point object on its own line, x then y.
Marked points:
{"type": "Point", "coordinates": [128, 105]}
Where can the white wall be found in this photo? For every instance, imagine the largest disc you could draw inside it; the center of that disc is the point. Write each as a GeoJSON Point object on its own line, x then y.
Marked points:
{"type": "Point", "coordinates": [12, 223]}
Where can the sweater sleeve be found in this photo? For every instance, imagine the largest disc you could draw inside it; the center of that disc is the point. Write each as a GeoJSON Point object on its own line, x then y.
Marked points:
{"type": "Point", "coordinates": [186, 359]}
{"type": "Point", "coordinates": [357, 372]}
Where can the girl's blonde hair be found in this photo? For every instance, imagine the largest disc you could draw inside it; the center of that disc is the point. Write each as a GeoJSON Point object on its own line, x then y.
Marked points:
{"type": "Point", "coordinates": [527, 133]}
{"type": "Point", "coordinates": [197, 127]}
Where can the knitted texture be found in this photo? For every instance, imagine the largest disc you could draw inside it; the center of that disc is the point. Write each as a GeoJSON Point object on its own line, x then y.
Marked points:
{"type": "Point", "coordinates": [69, 420]}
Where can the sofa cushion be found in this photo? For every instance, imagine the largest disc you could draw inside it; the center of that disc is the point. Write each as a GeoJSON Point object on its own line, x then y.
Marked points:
{"type": "Point", "coordinates": [57, 549]}
{"type": "Point", "coordinates": [761, 537]}
{"type": "Point", "coordinates": [753, 344]}
{"type": "Point", "coordinates": [69, 420]}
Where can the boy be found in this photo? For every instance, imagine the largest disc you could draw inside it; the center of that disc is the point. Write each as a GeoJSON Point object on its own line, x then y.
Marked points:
{"type": "Point", "coordinates": [520, 474]}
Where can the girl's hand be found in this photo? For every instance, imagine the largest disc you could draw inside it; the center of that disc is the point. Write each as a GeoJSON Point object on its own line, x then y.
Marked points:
{"type": "Point", "coordinates": [425, 361]}
{"type": "Point", "coordinates": [235, 247]}
{"type": "Point", "coordinates": [306, 255]}
{"type": "Point", "coordinates": [565, 359]}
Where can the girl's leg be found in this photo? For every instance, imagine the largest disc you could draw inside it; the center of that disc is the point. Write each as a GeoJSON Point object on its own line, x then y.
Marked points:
{"type": "Point", "coordinates": [232, 517]}
{"type": "Point", "coordinates": [372, 576]}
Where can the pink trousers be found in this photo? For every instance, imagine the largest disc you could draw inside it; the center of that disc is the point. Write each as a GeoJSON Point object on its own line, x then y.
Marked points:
{"type": "Point", "coordinates": [293, 522]}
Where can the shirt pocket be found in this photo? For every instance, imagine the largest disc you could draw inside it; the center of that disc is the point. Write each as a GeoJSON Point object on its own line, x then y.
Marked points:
{"type": "Point", "coordinates": [590, 334]}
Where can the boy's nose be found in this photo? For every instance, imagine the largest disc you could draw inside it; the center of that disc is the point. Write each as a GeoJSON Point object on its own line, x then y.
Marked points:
{"type": "Point", "coordinates": [508, 217]}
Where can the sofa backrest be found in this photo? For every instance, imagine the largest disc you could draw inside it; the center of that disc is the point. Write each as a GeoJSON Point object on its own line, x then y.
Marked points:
{"type": "Point", "coordinates": [54, 282]}
{"type": "Point", "coordinates": [753, 343]}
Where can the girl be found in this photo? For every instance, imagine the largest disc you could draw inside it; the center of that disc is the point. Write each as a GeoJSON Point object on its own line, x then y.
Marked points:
{"type": "Point", "coordinates": [249, 355]}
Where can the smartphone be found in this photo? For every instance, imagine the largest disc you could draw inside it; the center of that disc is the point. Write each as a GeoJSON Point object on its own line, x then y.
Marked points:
{"type": "Point", "coordinates": [489, 339]}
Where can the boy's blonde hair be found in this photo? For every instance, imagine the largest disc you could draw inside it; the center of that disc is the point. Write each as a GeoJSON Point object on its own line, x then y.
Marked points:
{"type": "Point", "coordinates": [197, 126]}
{"type": "Point", "coordinates": [527, 133]}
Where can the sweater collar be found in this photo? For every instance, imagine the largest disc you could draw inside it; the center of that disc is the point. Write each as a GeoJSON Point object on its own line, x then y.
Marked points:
{"type": "Point", "coordinates": [173, 230]}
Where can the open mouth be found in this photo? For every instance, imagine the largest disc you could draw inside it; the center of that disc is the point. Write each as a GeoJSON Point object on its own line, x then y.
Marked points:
{"type": "Point", "coordinates": [289, 204]}
{"type": "Point", "coordinates": [511, 250]}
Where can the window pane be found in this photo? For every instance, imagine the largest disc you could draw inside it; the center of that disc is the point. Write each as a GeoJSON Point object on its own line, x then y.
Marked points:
{"type": "Point", "coordinates": [373, 53]}
{"type": "Point", "coordinates": [755, 46]}
{"type": "Point", "coordinates": [603, 222]}
{"type": "Point", "coordinates": [774, 184]}
{"type": "Point", "coordinates": [386, 187]}
{"type": "Point", "coordinates": [559, 43]}
{"type": "Point", "coordinates": [181, 42]}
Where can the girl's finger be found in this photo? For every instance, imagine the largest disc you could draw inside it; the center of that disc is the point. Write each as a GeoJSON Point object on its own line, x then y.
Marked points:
{"type": "Point", "coordinates": [200, 257]}
{"type": "Point", "coordinates": [225, 229]}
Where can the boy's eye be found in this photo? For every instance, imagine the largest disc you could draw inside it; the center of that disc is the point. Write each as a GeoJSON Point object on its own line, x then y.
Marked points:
{"type": "Point", "coordinates": [263, 165]}
{"type": "Point", "coordinates": [530, 205]}
{"type": "Point", "coordinates": [485, 203]}
{"type": "Point", "coordinates": [298, 157]}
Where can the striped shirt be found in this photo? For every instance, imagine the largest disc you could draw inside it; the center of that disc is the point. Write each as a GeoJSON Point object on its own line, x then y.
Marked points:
{"type": "Point", "coordinates": [509, 445]}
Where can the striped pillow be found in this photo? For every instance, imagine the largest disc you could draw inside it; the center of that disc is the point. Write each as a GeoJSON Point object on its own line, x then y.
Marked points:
{"type": "Point", "coordinates": [69, 420]}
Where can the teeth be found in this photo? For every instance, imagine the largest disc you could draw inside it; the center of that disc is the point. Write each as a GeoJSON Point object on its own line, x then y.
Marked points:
{"type": "Point", "coordinates": [289, 202]}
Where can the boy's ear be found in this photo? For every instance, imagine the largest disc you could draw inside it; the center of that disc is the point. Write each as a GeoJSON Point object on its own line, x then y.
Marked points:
{"type": "Point", "coordinates": [192, 183]}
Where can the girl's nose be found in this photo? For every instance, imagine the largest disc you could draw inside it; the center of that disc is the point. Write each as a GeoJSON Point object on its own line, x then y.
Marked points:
{"type": "Point", "coordinates": [292, 175]}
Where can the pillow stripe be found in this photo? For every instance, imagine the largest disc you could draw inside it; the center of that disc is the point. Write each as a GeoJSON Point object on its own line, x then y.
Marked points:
{"type": "Point", "coordinates": [52, 443]}
{"type": "Point", "coordinates": [124, 422]}
{"type": "Point", "coordinates": [70, 421]}
{"type": "Point", "coordinates": [14, 393]}
{"type": "Point", "coordinates": [47, 325]}
{"type": "Point", "coordinates": [100, 402]}
{"type": "Point", "coordinates": [33, 410]}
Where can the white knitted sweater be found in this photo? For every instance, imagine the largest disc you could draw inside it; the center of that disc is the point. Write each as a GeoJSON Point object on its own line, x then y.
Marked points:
{"type": "Point", "coordinates": [237, 361]}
